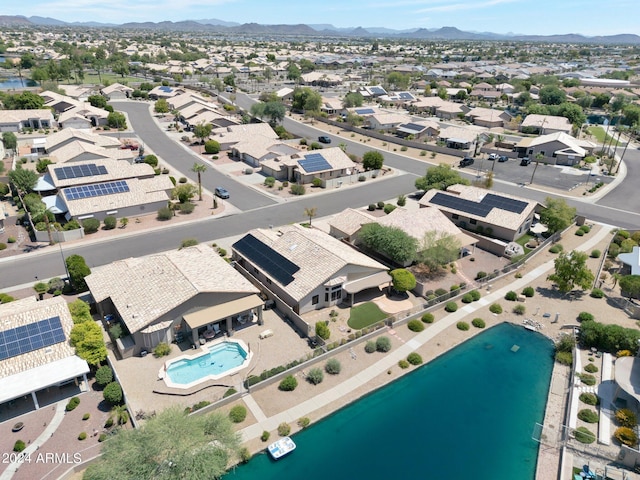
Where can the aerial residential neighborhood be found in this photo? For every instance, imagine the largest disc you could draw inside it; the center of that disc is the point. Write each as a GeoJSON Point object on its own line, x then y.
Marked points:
{"type": "Point", "coordinates": [256, 236]}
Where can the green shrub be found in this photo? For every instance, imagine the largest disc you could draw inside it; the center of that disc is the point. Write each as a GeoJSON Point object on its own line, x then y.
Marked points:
{"type": "Point", "coordinates": [388, 208]}
{"type": "Point", "coordinates": [102, 437]}
{"type": "Point", "coordinates": [112, 393]}
{"type": "Point", "coordinates": [414, 358]}
{"type": "Point", "coordinates": [316, 182]}
{"type": "Point", "coordinates": [110, 222]}
{"type": "Point", "coordinates": [212, 147]}
{"type": "Point", "coordinates": [91, 225]}
{"type": "Point", "coordinates": [108, 423]}
{"type": "Point", "coordinates": [333, 366]}
{"type": "Point", "coordinates": [187, 207]}
{"type": "Point", "coordinates": [265, 436]}
{"type": "Point", "coordinates": [297, 189]}
{"type": "Point", "coordinates": [590, 368]}
{"type": "Point", "coordinates": [269, 182]}
{"type": "Point", "coordinates": [3, 246]}
{"type": "Point", "coordinates": [237, 414]}
{"type": "Point", "coordinates": [200, 405]}
{"type": "Point", "coordinates": [589, 398]}
{"type": "Point", "coordinates": [322, 330]}
{"type": "Point", "coordinates": [596, 293]}
{"type": "Point", "coordinates": [564, 358]}
{"type": "Point", "coordinates": [626, 418]}
{"type": "Point", "coordinates": [454, 287]}
{"type": "Point", "coordinates": [588, 415]}
{"type": "Point", "coordinates": [467, 298]}
{"type": "Point", "coordinates": [284, 429]}
{"type": "Point", "coordinates": [511, 296]}
{"type": "Point", "coordinates": [304, 422]}
{"type": "Point", "coordinates": [403, 364]}
{"type": "Point", "coordinates": [587, 379]}
{"type": "Point", "coordinates": [584, 435]}
{"type": "Point", "coordinates": [495, 308]}
{"type": "Point", "coordinates": [528, 292]}
{"type": "Point", "coordinates": [478, 323]}
{"type": "Point", "coordinates": [164, 214]}
{"type": "Point", "coordinates": [72, 404]}
{"type": "Point", "coordinates": [464, 326]}
{"type": "Point", "coordinates": [315, 376]}
{"type": "Point", "coordinates": [370, 346]}
{"type": "Point", "coordinates": [162, 349]}
{"type": "Point", "coordinates": [82, 436]}
{"type": "Point", "coordinates": [579, 233]}
{"type": "Point", "coordinates": [557, 248]}
{"type": "Point", "coordinates": [380, 205]}
{"type": "Point", "coordinates": [519, 309]}
{"type": "Point", "coordinates": [451, 307]}
{"type": "Point", "coordinates": [19, 446]}
{"type": "Point", "coordinates": [428, 318]}
{"type": "Point", "coordinates": [244, 454]}
{"type": "Point", "coordinates": [585, 317]}
{"type": "Point", "coordinates": [415, 325]}
{"type": "Point", "coordinates": [104, 375]}
{"type": "Point", "coordinates": [440, 292]}
{"type": "Point", "coordinates": [626, 436]}
{"type": "Point", "coordinates": [595, 253]}
{"type": "Point", "coordinates": [11, 240]}
{"type": "Point", "coordinates": [229, 392]}
{"type": "Point", "coordinates": [585, 228]}
{"type": "Point", "coordinates": [481, 275]}
{"type": "Point", "coordinates": [182, 180]}
{"type": "Point", "coordinates": [475, 294]}
{"type": "Point", "coordinates": [288, 384]}
{"type": "Point", "coordinates": [86, 416]}
{"type": "Point", "coordinates": [383, 344]}
{"type": "Point", "coordinates": [371, 207]}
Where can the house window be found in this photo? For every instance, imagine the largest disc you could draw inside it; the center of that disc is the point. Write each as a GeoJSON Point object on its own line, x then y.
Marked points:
{"type": "Point", "coordinates": [315, 299]}
{"type": "Point", "coordinates": [473, 221]}
{"type": "Point", "coordinates": [542, 152]}
{"type": "Point", "coordinates": [326, 296]}
{"type": "Point", "coordinates": [455, 216]}
{"type": "Point", "coordinates": [268, 280]}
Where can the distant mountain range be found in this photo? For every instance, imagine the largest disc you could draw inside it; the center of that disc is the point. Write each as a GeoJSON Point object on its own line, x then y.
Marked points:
{"type": "Point", "coordinates": [220, 26]}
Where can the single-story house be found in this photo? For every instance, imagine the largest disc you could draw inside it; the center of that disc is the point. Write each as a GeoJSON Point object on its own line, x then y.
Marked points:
{"type": "Point", "coordinates": [80, 151]}
{"type": "Point", "coordinates": [165, 92]}
{"type": "Point", "coordinates": [449, 110]}
{"type": "Point", "coordinates": [487, 117]}
{"type": "Point", "coordinates": [227, 137]}
{"type": "Point", "coordinates": [285, 94]}
{"type": "Point", "coordinates": [559, 148]}
{"type": "Point", "coordinates": [544, 124]}
{"type": "Point", "coordinates": [459, 137]}
{"type": "Point", "coordinates": [386, 121]}
{"type": "Point", "coordinates": [18, 120]}
{"type": "Point", "coordinates": [631, 260]}
{"type": "Point", "coordinates": [35, 353]}
{"type": "Point", "coordinates": [498, 215]}
{"type": "Point", "coordinates": [320, 79]}
{"type": "Point", "coordinates": [304, 167]}
{"type": "Point", "coordinates": [307, 268]}
{"type": "Point", "coordinates": [419, 129]}
{"type": "Point", "coordinates": [173, 295]}
{"type": "Point", "coordinates": [117, 91]}
{"type": "Point", "coordinates": [69, 135]}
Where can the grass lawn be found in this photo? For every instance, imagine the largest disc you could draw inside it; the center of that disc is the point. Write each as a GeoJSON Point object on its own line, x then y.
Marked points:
{"type": "Point", "coordinates": [600, 134]}
{"type": "Point", "coordinates": [523, 240]}
{"type": "Point", "coordinates": [364, 315]}
{"type": "Point", "coordinates": [92, 78]}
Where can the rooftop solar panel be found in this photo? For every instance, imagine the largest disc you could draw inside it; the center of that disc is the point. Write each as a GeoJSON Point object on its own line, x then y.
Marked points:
{"type": "Point", "coordinates": [377, 90]}
{"type": "Point", "coordinates": [482, 208]}
{"type": "Point", "coordinates": [27, 338]}
{"type": "Point", "coordinates": [405, 95]}
{"type": "Point", "coordinates": [365, 111]}
{"type": "Point", "coordinates": [79, 171]}
{"type": "Point", "coordinates": [265, 257]}
{"type": "Point", "coordinates": [314, 162]}
{"type": "Point", "coordinates": [165, 88]}
{"type": "Point", "coordinates": [413, 126]}
{"type": "Point", "coordinates": [95, 190]}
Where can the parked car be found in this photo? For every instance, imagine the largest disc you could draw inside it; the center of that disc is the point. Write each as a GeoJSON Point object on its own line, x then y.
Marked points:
{"type": "Point", "coordinates": [525, 161]}
{"type": "Point", "coordinates": [129, 146]}
{"type": "Point", "coordinates": [503, 158]}
{"type": "Point", "coordinates": [324, 139]}
{"type": "Point", "coordinates": [465, 162]}
{"type": "Point", "coordinates": [221, 192]}
{"type": "Point", "coordinates": [493, 156]}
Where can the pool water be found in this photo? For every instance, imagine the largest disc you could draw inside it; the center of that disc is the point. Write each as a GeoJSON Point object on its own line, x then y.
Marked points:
{"type": "Point", "coordinates": [219, 359]}
{"type": "Point", "coordinates": [468, 414]}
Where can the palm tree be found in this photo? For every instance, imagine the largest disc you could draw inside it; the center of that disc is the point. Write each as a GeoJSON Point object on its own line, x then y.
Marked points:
{"type": "Point", "coordinates": [310, 212]}
{"type": "Point", "coordinates": [615, 277]}
{"type": "Point", "coordinates": [199, 168]}
{"type": "Point", "coordinates": [539, 156]}
{"type": "Point", "coordinates": [120, 414]}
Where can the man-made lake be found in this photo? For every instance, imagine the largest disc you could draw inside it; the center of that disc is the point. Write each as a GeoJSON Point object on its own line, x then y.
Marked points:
{"type": "Point", "coordinates": [7, 83]}
{"type": "Point", "coordinates": [468, 414]}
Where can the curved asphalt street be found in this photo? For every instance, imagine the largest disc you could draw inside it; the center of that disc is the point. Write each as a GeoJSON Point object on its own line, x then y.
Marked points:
{"type": "Point", "coordinates": [260, 210]}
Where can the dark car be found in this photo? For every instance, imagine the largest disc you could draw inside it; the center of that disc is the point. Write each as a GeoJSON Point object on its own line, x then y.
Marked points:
{"type": "Point", "coordinates": [503, 158]}
{"type": "Point", "coordinates": [324, 139]}
{"type": "Point", "coordinates": [525, 161]}
{"type": "Point", "coordinates": [221, 192]}
{"type": "Point", "coordinates": [465, 162]}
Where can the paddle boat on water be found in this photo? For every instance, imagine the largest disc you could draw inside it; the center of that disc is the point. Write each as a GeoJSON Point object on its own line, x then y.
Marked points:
{"type": "Point", "coordinates": [281, 447]}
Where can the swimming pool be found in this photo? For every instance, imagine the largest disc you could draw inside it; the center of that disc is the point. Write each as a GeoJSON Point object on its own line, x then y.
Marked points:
{"type": "Point", "coordinates": [214, 362]}
{"type": "Point", "coordinates": [468, 414]}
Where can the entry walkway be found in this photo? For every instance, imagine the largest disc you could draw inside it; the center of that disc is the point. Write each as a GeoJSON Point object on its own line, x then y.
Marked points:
{"type": "Point", "coordinates": [393, 357]}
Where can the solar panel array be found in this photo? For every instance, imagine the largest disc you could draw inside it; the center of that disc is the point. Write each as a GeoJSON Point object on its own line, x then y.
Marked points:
{"type": "Point", "coordinates": [479, 209]}
{"type": "Point", "coordinates": [265, 257]}
{"type": "Point", "coordinates": [314, 162]}
{"type": "Point", "coordinates": [79, 171]}
{"type": "Point", "coordinates": [377, 90]}
{"type": "Point", "coordinates": [405, 95]}
{"type": "Point", "coordinates": [165, 88]}
{"type": "Point", "coordinates": [365, 111]}
{"type": "Point", "coordinates": [28, 338]}
{"type": "Point", "coordinates": [413, 126]}
{"type": "Point", "coordinates": [96, 190]}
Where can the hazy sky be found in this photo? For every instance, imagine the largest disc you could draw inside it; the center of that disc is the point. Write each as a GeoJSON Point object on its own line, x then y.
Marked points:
{"type": "Point", "coordinates": [589, 17]}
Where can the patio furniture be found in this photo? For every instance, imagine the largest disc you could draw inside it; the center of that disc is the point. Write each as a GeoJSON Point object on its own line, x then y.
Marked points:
{"type": "Point", "coordinates": [266, 334]}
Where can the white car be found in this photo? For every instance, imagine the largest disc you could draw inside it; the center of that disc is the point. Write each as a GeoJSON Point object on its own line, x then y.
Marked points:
{"type": "Point", "coordinates": [493, 156]}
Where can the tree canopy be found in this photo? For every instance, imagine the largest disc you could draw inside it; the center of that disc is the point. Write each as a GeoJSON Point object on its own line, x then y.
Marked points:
{"type": "Point", "coordinates": [571, 270]}
{"type": "Point", "coordinates": [170, 446]}
{"type": "Point", "coordinates": [78, 269]}
{"type": "Point", "coordinates": [392, 242]}
{"type": "Point", "coordinates": [87, 339]}
{"type": "Point", "coordinates": [10, 140]}
{"type": "Point", "coordinates": [372, 160]}
{"type": "Point", "coordinates": [23, 179]}
{"type": "Point", "coordinates": [352, 99]}
{"type": "Point", "coordinates": [630, 286]}
{"type": "Point", "coordinates": [440, 177]}
{"type": "Point", "coordinates": [557, 214]}
{"type": "Point", "coordinates": [403, 280]}
{"type": "Point", "coordinates": [306, 99]}
{"type": "Point", "coordinates": [437, 249]}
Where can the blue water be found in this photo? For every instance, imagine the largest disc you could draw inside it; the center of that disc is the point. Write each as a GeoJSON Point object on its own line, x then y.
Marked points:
{"type": "Point", "coordinates": [15, 82]}
{"type": "Point", "coordinates": [469, 414]}
{"type": "Point", "coordinates": [221, 358]}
